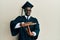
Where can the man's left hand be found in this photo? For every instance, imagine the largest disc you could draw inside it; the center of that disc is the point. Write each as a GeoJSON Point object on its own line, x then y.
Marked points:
{"type": "Point", "coordinates": [29, 31]}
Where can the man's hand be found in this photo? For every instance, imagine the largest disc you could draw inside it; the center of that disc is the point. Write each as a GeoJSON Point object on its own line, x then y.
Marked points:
{"type": "Point", "coordinates": [29, 31]}
{"type": "Point", "coordinates": [25, 24]}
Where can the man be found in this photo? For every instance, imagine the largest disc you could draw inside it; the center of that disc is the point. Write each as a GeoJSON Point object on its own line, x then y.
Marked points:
{"type": "Point", "coordinates": [26, 26]}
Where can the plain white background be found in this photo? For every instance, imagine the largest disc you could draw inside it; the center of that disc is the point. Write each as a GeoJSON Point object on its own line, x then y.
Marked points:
{"type": "Point", "coordinates": [46, 11]}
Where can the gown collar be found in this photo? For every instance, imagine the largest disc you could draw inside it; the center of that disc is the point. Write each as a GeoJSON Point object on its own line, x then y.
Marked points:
{"type": "Point", "coordinates": [28, 17]}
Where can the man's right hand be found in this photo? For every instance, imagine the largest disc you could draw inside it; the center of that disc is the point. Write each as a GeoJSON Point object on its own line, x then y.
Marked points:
{"type": "Point", "coordinates": [24, 24]}
{"type": "Point", "coordinates": [27, 24]}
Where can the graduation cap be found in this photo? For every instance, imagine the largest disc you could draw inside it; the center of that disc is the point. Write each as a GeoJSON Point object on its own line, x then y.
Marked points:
{"type": "Point", "coordinates": [27, 4]}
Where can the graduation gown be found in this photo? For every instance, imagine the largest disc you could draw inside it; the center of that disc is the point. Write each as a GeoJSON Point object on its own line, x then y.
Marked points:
{"type": "Point", "coordinates": [22, 30]}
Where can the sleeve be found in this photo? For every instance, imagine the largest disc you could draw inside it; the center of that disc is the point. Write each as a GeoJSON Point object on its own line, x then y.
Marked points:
{"type": "Point", "coordinates": [13, 23]}
{"type": "Point", "coordinates": [36, 29]}
{"type": "Point", "coordinates": [34, 33]}
{"type": "Point", "coordinates": [13, 30]}
{"type": "Point", "coordinates": [17, 25]}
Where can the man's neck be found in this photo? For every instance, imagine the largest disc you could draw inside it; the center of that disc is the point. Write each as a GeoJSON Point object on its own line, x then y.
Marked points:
{"type": "Point", "coordinates": [28, 17]}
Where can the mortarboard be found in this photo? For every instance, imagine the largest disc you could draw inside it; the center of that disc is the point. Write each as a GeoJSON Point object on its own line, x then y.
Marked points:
{"type": "Point", "coordinates": [27, 4]}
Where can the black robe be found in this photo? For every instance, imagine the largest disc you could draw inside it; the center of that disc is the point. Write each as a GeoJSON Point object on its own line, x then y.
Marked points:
{"type": "Point", "coordinates": [22, 30]}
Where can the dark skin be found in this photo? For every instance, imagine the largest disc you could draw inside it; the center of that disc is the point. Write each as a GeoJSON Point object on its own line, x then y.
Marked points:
{"type": "Point", "coordinates": [27, 11]}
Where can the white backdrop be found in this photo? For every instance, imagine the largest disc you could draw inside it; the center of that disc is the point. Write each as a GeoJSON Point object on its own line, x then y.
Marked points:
{"type": "Point", "coordinates": [46, 11]}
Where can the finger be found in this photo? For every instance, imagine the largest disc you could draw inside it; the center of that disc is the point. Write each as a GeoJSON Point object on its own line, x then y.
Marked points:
{"type": "Point", "coordinates": [29, 29]}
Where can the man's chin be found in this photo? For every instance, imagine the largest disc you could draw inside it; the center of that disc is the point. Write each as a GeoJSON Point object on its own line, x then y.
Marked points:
{"type": "Point", "coordinates": [27, 15]}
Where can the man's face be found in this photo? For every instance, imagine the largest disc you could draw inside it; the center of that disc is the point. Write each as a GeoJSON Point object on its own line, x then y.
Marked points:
{"type": "Point", "coordinates": [27, 11]}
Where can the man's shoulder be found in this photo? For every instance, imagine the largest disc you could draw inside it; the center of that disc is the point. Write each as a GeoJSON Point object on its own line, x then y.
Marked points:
{"type": "Point", "coordinates": [34, 18]}
{"type": "Point", "coordinates": [19, 16]}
